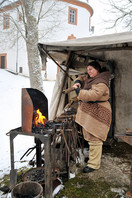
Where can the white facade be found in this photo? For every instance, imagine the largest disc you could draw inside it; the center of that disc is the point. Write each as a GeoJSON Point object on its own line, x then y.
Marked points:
{"type": "Point", "coordinates": [54, 26]}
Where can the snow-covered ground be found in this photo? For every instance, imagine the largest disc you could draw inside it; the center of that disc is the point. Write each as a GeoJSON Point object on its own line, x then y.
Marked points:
{"type": "Point", "coordinates": [10, 118]}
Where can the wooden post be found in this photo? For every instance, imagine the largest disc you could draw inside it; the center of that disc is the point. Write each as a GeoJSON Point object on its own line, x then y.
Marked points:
{"type": "Point", "coordinates": [69, 58]}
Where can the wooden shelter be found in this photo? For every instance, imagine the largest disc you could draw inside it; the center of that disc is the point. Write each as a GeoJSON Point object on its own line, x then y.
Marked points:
{"type": "Point", "coordinates": [72, 56]}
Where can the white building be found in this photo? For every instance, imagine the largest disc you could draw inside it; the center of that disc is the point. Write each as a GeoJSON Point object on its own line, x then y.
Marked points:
{"type": "Point", "coordinates": [62, 20]}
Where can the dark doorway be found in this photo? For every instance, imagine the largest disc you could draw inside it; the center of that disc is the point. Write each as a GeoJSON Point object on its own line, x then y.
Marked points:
{"type": "Point", "coordinates": [3, 61]}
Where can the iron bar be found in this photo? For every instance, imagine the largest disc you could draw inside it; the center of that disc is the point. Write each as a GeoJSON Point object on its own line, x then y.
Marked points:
{"type": "Point", "coordinates": [48, 169]}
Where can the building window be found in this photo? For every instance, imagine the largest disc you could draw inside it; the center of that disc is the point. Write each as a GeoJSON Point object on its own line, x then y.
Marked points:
{"type": "Point", "coordinates": [72, 16]}
{"type": "Point", "coordinates": [6, 21]}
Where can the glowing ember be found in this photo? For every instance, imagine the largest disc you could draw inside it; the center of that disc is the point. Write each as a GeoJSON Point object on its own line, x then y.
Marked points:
{"type": "Point", "coordinates": [39, 119]}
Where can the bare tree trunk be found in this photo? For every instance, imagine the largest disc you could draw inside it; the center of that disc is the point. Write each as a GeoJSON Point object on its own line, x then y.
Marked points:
{"type": "Point", "coordinates": [31, 44]}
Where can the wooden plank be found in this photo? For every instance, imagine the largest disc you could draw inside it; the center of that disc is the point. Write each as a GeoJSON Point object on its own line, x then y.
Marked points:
{"type": "Point", "coordinates": [125, 138]}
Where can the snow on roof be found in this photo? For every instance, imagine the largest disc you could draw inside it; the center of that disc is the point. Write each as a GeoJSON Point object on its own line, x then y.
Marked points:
{"type": "Point", "coordinates": [124, 38]}
{"type": "Point", "coordinates": [84, 46]}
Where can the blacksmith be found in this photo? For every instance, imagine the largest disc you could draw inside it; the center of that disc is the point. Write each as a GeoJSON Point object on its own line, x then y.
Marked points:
{"type": "Point", "coordinates": [94, 111]}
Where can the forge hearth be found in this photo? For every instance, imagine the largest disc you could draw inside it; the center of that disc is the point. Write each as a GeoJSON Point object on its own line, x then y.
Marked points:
{"type": "Point", "coordinates": [33, 101]}
{"type": "Point", "coordinates": [59, 138]}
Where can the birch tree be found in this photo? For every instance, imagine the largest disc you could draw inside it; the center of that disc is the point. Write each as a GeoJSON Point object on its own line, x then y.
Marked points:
{"type": "Point", "coordinates": [31, 44]}
{"type": "Point", "coordinates": [31, 17]}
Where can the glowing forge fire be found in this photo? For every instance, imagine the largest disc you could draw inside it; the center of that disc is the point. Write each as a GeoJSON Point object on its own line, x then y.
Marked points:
{"type": "Point", "coordinates": [39, 119]}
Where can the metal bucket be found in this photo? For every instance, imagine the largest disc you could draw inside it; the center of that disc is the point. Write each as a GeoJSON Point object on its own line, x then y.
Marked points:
{"type": "Point", "coordinates": [27, 189]}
